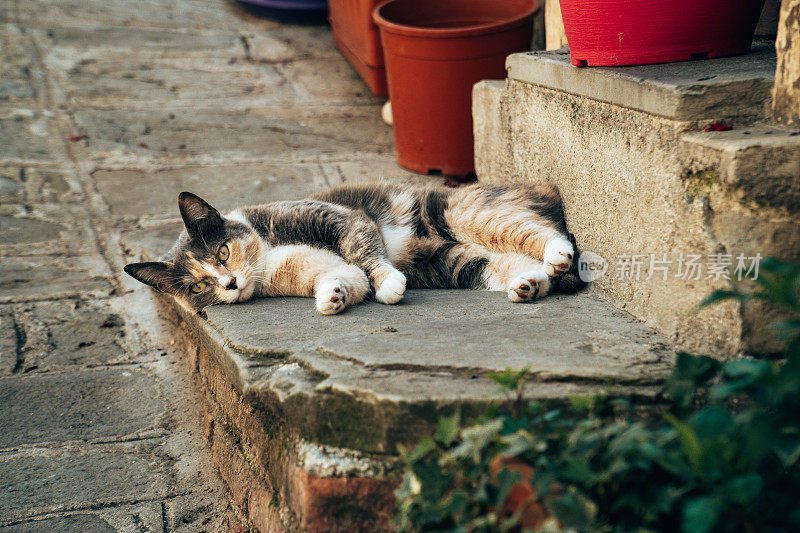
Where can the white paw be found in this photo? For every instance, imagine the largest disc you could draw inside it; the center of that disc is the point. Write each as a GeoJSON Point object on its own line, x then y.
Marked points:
{"type": "Point", "coordinates": [529, 285]}
{"type": "Point", "coordinates": [558, 254]}
{"type": "Point", "coordinates": [331, 297]}
{"type": "Point", "coordinates": [392, 289]}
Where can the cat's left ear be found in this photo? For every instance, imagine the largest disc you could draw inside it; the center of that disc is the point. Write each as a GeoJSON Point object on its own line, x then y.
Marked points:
{"type": "Point", "coordinates": [154, 273]}
{"type": "Point", "coordinates": [198, 216]}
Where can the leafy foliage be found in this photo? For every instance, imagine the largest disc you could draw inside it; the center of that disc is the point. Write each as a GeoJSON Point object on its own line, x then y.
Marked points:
{"type": "Point", "coordinates": [723, 456]}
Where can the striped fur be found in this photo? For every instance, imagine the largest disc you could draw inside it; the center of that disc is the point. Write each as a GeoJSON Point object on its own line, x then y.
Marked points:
{"type": "Point", "coordinates": [348, 242]}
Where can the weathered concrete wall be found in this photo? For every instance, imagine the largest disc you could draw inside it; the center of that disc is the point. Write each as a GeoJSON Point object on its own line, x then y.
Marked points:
{"type": "Point", "coordinates": [786, 96]}
{"type": "Point", "coordinates": [632, 184]}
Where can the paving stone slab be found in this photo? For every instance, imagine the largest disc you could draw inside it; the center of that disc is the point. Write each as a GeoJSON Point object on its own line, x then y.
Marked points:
{"type": "Point", "coordinates": [291, 42]}
{"type": "Point", "coordinates": [148, 13]}
{"type": "Point", "coordinates": [45, 229]}
{"type": "Point", "coordinates": [27, 231]}
{"type": "Point", "coordinates": [7, 12]}
{"type": "Point", "coordinates": [20, 184]}
{"type": "Point", "coordinates": [151, 242]}
{"type": "Point", "coordinates": [330, 81]}
{"type": "Point", "coordinates": [18, 71]}
{"type": "Point", "coordinates": [78, 523]}
{"type": "Point", "coordinates": [10, 189]}
{"type": "Point", "coordinates": [38, 481]}
{"type": "Point", "coordinates": [68, 333]}
{"type": "Point", "coordinates": [209, 82]}
{"type": "Point", "coordinates": [25, 135]}
{"type": "Point", "coordinates": [691, 90]}
{"type": "Point", "coordinates": [84, 405]}
{"type": "Point", "coordinates": [153, 195]}
{"type": "Point", "coordinates": [36, 278]}
{"type": "Point", "coordinates": [278, 134]}
{"type": "Point", "coordinates": [150, 42]}
{"type": "Point", "coordinates": [16, 91]}
{"type": "Point", "coordinates": [372, 170]}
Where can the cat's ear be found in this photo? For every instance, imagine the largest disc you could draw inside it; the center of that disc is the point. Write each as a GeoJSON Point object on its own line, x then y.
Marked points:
{"type": "Point", "coordinates": [153, 273]}
{"type": "Point", "coordinates": [198, 216]}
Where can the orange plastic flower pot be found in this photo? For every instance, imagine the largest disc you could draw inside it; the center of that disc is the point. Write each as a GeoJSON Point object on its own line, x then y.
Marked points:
{"type": "Point", "coordinates": [434, 53]}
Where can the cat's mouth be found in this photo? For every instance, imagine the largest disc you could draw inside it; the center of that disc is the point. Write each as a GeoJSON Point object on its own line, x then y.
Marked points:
{"type": "Point", "coordinates": [245, 292]}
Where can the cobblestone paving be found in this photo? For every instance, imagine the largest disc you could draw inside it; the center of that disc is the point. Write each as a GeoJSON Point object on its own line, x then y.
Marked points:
{"type": "Point", "coordinates": [109, 108]}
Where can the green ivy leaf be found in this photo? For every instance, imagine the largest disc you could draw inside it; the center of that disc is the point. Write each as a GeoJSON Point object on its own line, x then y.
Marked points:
{"type": "Point", "coordinates": [690, 372]}
{"type": "Point", "coordinates": [720, 296]}
{"type": "Point", "coordinates": [426, 445]}
{"type": "Point", "coordinates": [690, 444]}
{"type": "Point", "coordinates": [475, 439]}
{"type": "Point", "coordinates": [448, 428]}
{"type": "Point", "coordinates": [744, 489]}
{"type": "Point", "coordinates": [509, 379]}
{"type": "Point", "coordinates": [700, 515]}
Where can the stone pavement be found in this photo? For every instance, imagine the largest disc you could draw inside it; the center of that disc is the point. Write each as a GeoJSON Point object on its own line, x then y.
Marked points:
{"type": "Point", "coordinates": [109, 108]}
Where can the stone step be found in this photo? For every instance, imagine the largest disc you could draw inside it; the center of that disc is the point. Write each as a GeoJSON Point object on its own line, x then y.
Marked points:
{"type": "Point", "coordinates": [640, 179]}
{"type": "Point", "coordinates": [692, 90]}
{"type": "Point", "coordinates": [378, 376]}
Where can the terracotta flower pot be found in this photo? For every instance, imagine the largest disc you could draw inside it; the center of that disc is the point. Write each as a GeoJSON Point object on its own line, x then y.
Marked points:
{"type": "Point", "coordinates": [357, 37]}
{"type": "Point", "coordinates": [636, 32]}
{"type": "Point", "coordinates": [435, 52]}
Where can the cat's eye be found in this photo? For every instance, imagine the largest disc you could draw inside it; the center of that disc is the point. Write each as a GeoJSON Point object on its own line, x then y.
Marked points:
{"type": "Point", "coordinates": [223, 253]}
{"type": "Point", "coordinates": [198, 287]}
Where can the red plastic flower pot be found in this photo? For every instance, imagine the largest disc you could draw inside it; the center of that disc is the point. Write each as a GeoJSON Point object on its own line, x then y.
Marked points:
{"type": "Point", "coordinates": [357, 37]}
{"type": "Point", "coordinates": [636, 32]}
{"type": "Point", "coordinates": [435, 52]}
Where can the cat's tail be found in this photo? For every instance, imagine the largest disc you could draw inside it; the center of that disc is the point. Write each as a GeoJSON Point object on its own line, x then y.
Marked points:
{"type": "Point", "coordinates": [570, 282]}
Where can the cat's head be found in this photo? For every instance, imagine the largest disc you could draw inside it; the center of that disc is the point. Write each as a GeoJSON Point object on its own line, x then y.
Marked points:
{"type": "Point", "coordinates": [214, 260]}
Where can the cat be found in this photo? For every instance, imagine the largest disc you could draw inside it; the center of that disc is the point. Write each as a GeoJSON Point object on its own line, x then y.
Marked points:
{"type": "Point", "coordinates": [351, 242]}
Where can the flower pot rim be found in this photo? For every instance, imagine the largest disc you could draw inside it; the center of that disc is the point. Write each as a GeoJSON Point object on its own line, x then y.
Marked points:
{"type": "Point", "coordinates": [461, 31]}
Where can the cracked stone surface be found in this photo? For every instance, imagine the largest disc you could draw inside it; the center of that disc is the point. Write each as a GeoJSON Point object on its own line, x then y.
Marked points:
{"type": "Point", "coordinates": [54, 479]}
{"type": "Point", "coordinates": [25, 137]}
{"type": "Point", "coordinates": [92, 405]}
{"type": "Point", "coordinates": [65, 524]}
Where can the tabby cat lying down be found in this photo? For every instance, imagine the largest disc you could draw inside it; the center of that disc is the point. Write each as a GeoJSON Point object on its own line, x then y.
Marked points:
{"type": "Point", "coordinates": [344, 243]}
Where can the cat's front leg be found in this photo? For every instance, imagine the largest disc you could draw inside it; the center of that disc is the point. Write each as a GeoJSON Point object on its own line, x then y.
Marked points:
{"type": "Point", "coordinates": [340, 287]}
{"type": "Point", "coordinates": [390, 284]}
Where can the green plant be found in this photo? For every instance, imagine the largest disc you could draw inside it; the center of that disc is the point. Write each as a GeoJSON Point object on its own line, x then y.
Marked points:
{"type": "Point", "coordinates": [724, 455]}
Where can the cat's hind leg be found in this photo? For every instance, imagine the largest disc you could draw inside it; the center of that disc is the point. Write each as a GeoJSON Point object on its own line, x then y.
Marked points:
{"type": "Point", "coordinates": [450, 265]}
{"type": "Point", "coordinates": [521, 277]}
{"type": "Point", "coordinates": [558, 255]}
{"type": "Point", "coordinates": [526, 220]}
{"type": "Point", "coordinates": [340, 287]}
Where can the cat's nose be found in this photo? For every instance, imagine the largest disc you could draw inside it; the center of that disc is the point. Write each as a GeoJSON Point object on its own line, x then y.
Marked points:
{"type": "Point", "coordinates": [232, 284]}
